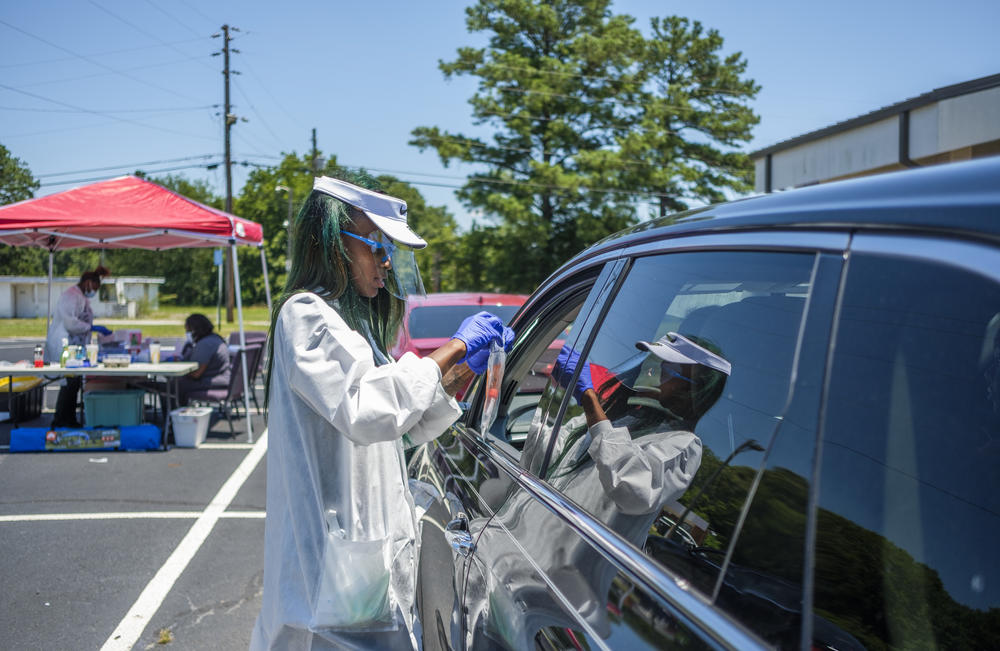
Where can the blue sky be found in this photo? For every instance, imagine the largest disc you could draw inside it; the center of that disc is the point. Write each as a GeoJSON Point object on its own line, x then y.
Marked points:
{"type": "Point", "coordinates": [93, 84]}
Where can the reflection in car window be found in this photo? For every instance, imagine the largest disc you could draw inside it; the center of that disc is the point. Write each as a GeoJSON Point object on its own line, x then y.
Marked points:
{"type": "Point", "coordinates": [909, 515]}
{"type": "Point", "coordinates": [665, 440]}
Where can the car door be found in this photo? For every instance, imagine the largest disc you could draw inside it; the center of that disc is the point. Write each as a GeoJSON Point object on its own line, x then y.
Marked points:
{"type": "Point", "coordinates": [570, 560]}
{"type": "Point", "coordinates": [908, 506]}
{"type": "Point", "coordinates": [459, 484]}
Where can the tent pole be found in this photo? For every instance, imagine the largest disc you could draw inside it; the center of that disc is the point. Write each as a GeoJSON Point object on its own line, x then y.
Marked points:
{"type": "Point", "coordinates": [48, 315]}
{"type": "Point", "coordinates": [267, 284]}
{"type": "Point", "coordinates": [243, 339]}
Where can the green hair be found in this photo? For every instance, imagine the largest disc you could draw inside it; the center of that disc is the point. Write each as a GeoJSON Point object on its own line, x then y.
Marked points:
{"type": "Point", "coordinates": [321, 264]}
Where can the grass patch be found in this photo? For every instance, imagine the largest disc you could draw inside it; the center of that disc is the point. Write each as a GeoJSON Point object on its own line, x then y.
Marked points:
{"type": "Point", "coordinates": [255, 317]}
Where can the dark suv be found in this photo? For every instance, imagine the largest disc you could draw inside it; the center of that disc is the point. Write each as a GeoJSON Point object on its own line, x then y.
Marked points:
{"type": "Point", "coordinates": [832, 483]}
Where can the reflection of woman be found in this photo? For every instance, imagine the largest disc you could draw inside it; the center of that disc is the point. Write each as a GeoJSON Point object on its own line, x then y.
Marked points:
{"type": "Point", "coordinates": [632, 451]}
{"type": "Point", "coordinates": [73, 320]}
{"type": "Point", "coordinates": [340, 528]}
{"type": "Point", "coordinates": [210, 351]}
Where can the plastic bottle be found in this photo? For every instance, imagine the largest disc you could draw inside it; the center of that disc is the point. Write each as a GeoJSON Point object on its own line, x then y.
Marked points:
{"type": "Point", "coordinates": [65, 352]}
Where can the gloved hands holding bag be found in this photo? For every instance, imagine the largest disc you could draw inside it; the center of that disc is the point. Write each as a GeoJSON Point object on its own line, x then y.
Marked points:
{"type": "Point", "coordinates": [101, 329]}
{"type": "Point", "coordinates": [477, 332]}
{"type": "Point", "coordinates": [481, 357]}
{"type": "Point", "coordinates": [564, 367]}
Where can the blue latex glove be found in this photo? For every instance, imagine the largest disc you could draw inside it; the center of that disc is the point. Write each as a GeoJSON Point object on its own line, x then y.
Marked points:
{"type": "Point", "coordinates": [100, 329]}
{"type": "Point", "coordinates": [564, 367]}
{"type": "Point", "coordinates": [476, 332]}
{"type": "Point", "coordinates": [481, 358]}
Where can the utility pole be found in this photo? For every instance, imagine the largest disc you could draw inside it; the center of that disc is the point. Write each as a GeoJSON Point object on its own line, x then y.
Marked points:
{"type": "Point", "coordinates": [315, 155]}
{"type": "Point", "coordinates": [230, 120]}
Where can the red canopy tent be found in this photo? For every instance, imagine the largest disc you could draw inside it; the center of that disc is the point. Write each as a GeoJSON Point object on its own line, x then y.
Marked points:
{"type": "Point", "coordinates": [129, 212]}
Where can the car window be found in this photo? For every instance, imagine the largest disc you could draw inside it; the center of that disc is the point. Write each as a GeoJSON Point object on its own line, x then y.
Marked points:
{"type": "Point", "coordinates": [667, 451]}
{"type": "Point", "coordinates": [909, 503]}
{"type": "Point", "coordinates": [436, 321]}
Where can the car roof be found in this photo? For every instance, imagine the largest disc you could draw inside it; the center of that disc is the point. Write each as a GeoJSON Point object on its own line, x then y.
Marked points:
{"type": "Point", "coordinates": [957, 198]}
{"type": "Point", "coordinates": [465, 298]}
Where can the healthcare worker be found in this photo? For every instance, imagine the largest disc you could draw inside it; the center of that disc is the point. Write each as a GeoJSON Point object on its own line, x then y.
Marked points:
{"type": "Point", "coordinates": [74, 321]}
{"type": "Point", "coordinates": [340, 529]}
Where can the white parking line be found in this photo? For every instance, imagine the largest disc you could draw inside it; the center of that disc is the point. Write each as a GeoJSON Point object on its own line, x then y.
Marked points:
{"type": "Point", "coordinates": [130, 629]}
{"type": "Point", "coordinates": [126, 515]}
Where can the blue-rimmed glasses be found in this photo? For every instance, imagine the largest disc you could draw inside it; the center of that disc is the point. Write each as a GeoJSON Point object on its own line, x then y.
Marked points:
{"type": "Point", "coordinates": [384, 250]}
{"type": "Point", "coordinates": [674, 370]}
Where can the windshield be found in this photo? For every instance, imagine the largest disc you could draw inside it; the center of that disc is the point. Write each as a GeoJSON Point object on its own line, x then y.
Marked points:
{"type": "Point", "coordinates": [442, 320]}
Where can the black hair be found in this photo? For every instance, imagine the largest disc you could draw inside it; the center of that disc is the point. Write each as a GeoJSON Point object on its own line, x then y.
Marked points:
{"type": "Point", "coordinates": [199, 325]}
{"type": "Point", "coordinates": [94, 275]}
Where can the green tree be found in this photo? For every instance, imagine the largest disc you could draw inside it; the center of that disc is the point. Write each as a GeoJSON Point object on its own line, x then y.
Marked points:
{"type": "Point", "coordinates": [438, 227]}
{"type": "Point", "coordinates": [18, 184]}
{"type": "Point", "coordinates": [16, 181]}
{"type": "Point", "coordinates": [577, 99]}
{"type": "Point", "coordinates": [690, 102]}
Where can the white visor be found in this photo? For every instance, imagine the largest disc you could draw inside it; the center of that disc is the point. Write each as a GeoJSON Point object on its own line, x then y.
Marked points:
{"type": "Point", "coordinates": [679, 349]}
{"type": "Point", "coordinates": [386, 212]}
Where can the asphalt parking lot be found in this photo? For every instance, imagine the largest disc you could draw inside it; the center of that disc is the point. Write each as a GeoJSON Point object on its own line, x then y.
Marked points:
{"type": "Point", "coordinates": [122, 550]}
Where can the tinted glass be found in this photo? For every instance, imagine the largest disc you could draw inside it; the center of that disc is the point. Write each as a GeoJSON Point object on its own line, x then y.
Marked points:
{"type": "Point", "coordinates": [909, 513]}
{"type": "Point", "coordinates": [666, 446]}
{"type": "Point", "coordinates": [443, 320]}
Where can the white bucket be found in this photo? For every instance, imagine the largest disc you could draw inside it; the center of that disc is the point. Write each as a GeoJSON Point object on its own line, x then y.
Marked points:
{"type": "Point", "coordinates": [190, 425]}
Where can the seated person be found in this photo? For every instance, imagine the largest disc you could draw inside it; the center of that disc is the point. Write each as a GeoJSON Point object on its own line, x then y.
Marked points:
{"type": "Point", "coordinates": [210, 351]}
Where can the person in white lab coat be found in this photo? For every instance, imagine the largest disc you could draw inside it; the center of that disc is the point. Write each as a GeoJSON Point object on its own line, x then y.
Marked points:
{"type": "Point", "coordinates": [340, 529]}
{"type": "Point", "coordinates": [73, 320]}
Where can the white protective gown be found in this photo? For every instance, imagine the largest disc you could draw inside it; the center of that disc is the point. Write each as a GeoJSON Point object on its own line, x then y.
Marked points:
{"type": "Point", "coordinates": [72, 319]}
{"type": "Point", "coordinates": [335, 456]}
{"type": "Point", "coordinates": [623, 482]}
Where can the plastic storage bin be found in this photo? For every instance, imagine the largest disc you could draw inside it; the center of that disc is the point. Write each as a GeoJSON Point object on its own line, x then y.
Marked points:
{"type": "Point", "coordinates": [111, 408]}
{"type": "Point", "coordinates": [23, 401]}
{"type": "Point", "coordinates": [190, 425]}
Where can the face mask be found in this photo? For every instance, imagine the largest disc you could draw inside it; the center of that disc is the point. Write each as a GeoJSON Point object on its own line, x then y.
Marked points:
{"type": "Point", "coordinates": [190, 339]}
{"type": "Point", "coordinates": [91, 294]}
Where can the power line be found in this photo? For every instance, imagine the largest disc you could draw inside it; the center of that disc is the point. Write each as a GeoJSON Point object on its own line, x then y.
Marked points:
{"type": "Point", "coordinates": [124, 165]}
{"type": "Point", "coordinates": [500, 66]}
{"type": "Point", "coordinates": [93, 62]}
{"type": "Point", "coordinates": [103, 74]}
{"type": "Point", "coordinates": [104, 178]}
{"type": "Point", "coordinates": [171, 109]}
{"type": "Point", "coordinates": [98, 54]}
{"type": "Point", "coordinates": [253, 74]}
{"type": "Point", "coordinates": [260, 117]}
{"type": "Point", "coordinates": [195, 9]}
{"type": "Point", "coordinates": [174, 18]}
{"type": "Point", "coordinates": [113, 117]}
{"type": "Point", "coordinates": [143, 31]}
{"type": "Point", "coordinates": [509, 182]}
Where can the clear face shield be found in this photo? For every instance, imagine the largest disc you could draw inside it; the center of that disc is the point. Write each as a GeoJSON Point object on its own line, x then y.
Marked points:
{"type": "Point", "coordinates": [403, 277]}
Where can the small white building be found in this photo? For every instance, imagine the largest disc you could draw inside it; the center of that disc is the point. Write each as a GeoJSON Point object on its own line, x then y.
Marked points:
{"type": "Point", "coordinates": [947, 124]}
{"type": "Point", "coordinates": [26, 297]}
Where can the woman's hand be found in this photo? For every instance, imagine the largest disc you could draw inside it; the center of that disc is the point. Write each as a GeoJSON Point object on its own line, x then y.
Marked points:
{"type": "Point", "coordinates": [477, 332]}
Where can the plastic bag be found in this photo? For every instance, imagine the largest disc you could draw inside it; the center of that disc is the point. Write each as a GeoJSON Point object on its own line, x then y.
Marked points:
{"type": "Point", "coordinates": [353, 592]}
{"type": "Point", "coordinates": [494, 378]}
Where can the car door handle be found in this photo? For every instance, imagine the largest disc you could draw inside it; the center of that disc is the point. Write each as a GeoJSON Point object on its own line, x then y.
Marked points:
{"type": "Point", "coordinates": [457, 534]}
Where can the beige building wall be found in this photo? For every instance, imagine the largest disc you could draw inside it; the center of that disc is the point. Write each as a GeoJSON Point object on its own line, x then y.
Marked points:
{"type": "Point", "coordinates": [955, 123]}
